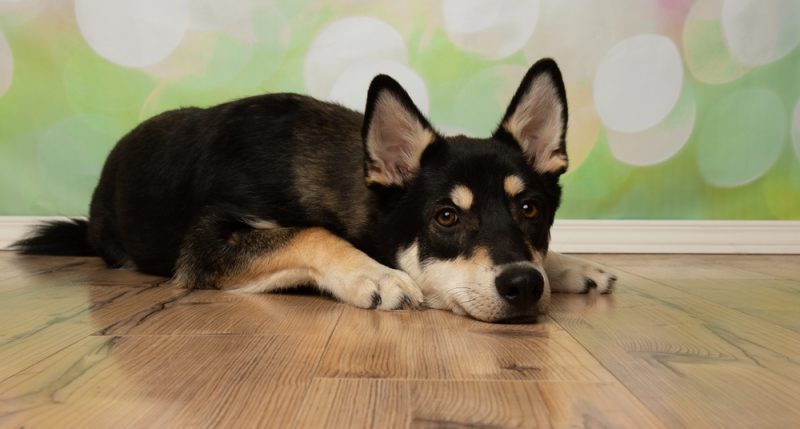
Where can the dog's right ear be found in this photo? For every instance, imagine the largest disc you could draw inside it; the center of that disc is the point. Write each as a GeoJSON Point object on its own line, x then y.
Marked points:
{"type": "Point", "coordinates": [395, 134]}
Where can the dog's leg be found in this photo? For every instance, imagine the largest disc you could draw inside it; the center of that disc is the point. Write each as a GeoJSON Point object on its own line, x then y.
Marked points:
{"type": "Point", "coordinates": [573, 275]}
{"type": "Point", "coordinates": [263, 260]}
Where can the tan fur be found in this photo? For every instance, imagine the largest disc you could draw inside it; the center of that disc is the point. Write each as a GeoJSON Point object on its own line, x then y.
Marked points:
{"type": "Point", "coordinates": [462, 197]}
{"type": "Point", "coordinates": [316, 256]}
{"type": "Point", "coordinates": [408, 260]}
{"type": "Point", "coordinates": [536, 124]}
{"type": "Point", "coordinates": [395, 141]}
{"type": "Point", "coordinates": [513, 185]}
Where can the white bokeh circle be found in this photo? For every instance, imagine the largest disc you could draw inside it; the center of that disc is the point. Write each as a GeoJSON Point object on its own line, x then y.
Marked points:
{"type": "Point", "coordinates": [796, 129]}
{"type": "Point", "coordinates": [638, 83]}
{"type": "Point", "coordinates": [133, 33]}
{"type": "Point", "coordinates": [661, 142]}
{"type": "Point", "coordinates": [758, 32]}
{"type": "Point", "coordinates": [6, 64]}
{"type": "Point", "coordinates": [493, 29]}
{"type": "Point", "coordinates": [741, 137]}
{"type": "Point", "coordinates": [350, 90]}
{"type": "Point", "coordinates": [577, 33]}
{"type": "Point", "coordinates": [345, 42]}
{"type": "Point", "coordinates": [704, 50]}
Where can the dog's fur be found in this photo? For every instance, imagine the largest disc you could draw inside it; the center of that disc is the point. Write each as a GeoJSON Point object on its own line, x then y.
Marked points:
{"type": "Point", "coordinates": [378, 209]}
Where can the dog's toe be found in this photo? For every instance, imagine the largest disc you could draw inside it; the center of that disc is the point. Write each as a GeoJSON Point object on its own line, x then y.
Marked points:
{"type": "Point", "coordinates": [612, 283]}
{"type": "Point", "coordinates": [604, 282]}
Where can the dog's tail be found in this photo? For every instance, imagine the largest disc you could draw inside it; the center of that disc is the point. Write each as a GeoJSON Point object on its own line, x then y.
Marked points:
{"type": "Point", "coordinates": [59, 237]}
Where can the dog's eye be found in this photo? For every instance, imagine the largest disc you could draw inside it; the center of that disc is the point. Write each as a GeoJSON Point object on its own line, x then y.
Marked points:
{"type": "Point", "coordinates": [529, 209]}
{"type": "Point", "coordinates": [446, 217]}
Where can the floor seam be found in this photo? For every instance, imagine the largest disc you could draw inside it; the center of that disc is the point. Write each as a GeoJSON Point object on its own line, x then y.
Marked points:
{"type": "Point", "coordinates": [316, 370]}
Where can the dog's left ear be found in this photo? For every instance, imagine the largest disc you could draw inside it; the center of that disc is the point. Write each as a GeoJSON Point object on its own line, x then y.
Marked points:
{"type": "Point", "coordinates": [536, 119]}
{"type": "Point", "coordinates": [395, 134]}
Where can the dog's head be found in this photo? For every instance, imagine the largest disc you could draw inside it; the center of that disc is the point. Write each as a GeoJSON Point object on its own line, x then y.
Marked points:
{"type": "Point", "coordinates": [472, 215]}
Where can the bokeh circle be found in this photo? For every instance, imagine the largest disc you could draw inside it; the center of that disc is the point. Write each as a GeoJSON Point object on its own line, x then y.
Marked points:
{"type": "Point", "coordinates": [661, 142]}
{"type": "Point", "coordinates": [492, 29]}
{"type": "Point", "coordinates": [345, 42]}
{"type": "Point", "coordinates": [758, 32]}
{"type": "Point", "coordinates": [350, 89]}
{"type": "Point", "coordinates": [704, 50]}
{"type": "Point", "coordinates": [638, 83]}
{"type": "Point", "coordinates": [133, 33]}
{"type": "Point", "coordinates": [741, 137]}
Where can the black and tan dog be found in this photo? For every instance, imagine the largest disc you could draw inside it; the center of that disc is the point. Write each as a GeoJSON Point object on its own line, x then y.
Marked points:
{"type": "Point", "coordinates": [378, 209]}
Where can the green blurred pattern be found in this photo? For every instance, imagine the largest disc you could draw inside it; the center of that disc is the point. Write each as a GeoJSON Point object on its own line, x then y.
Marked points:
{"type": "Point", "coordinates": [65, 106]}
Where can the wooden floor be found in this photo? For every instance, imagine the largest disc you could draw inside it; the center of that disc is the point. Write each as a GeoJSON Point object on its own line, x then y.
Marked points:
{"type": "Point", "coordinates": [686, 341]}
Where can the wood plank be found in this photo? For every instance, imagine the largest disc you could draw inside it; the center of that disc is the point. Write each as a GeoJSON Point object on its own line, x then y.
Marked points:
{"type": "Point", "coordinates": [14, 267]}
{"type": "Point", "coordinates": [773, 300]}
{"type": "Point", "coordinates": [55, 309]}
{"type": "Point", "coordinates": [165, 381]}
{"type": "Point", "coordinates": [369, 403]}
{"type": "Point", "coordinates": [657, 267]}
{"type": "Point", "coordinates": [31, 335]}
{"type": "Point", "coordinates": [206, 312]}
{"type": "Point", "coordinates": [25, 271]}
{"type": "Point", "coordinates": [435, 344]}
{"type": "Point", "coordinates": [693, 362]}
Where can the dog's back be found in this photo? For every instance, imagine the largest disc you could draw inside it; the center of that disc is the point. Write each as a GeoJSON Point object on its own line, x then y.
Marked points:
{"type": "Point", "coordinates": [285, 157]}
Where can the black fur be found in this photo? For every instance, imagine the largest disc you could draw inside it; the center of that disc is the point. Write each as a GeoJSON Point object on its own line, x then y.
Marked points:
{"type": "Point", "coordinates": [62, 237]}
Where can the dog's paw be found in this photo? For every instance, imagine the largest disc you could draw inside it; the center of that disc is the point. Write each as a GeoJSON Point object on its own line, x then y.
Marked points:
{"type": "Point", "coordinates": [576, 276]}
{"type": "Point", "coordinates": [599, 279]}
{"type": "Point", "coordinates": [381, 288]}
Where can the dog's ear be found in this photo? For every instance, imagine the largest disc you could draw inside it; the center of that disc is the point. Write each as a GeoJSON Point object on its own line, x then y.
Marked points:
{"type": "Point", "coordinates": [536, 119]}
{"type": "Point", "coordinates": [395, 134]}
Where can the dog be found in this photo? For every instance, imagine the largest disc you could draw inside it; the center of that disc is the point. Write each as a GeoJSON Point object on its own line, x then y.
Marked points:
{"type": "Point", "coordinates": [377, 209]}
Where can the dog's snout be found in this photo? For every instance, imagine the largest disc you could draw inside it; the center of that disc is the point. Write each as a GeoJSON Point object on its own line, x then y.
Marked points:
{"type": "Point", "coordinates": [520, 287]}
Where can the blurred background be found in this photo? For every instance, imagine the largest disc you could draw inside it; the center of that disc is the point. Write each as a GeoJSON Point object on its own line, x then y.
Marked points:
{"type": "Point", "coordinates": [679, 109]}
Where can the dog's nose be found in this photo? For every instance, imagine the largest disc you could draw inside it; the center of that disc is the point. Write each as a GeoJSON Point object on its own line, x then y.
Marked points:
{"type": "Point", "coordinates": [520, 286]}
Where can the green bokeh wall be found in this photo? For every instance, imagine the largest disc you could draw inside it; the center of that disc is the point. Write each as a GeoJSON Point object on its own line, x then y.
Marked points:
{"type": "Point", "coordinates": [679, 109]}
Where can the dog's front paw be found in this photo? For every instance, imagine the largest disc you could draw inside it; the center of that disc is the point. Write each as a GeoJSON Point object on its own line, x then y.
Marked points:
{"type": "Point", "coordinates": [572, 275]}
{"type": "Point", "coordinates": [597, 278]}
{"type": "Point", "coordinates": [379, 287]}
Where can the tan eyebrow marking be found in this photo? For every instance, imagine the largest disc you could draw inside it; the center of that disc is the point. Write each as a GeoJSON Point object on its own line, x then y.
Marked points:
{"type": "Point", "coordinates": [513, 185]}
{"type": "Point", "coordinates": [462, 197]}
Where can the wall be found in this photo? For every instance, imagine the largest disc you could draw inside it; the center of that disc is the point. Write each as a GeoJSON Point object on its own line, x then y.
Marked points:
{"type": "Point", "coordinates": [679, 109]}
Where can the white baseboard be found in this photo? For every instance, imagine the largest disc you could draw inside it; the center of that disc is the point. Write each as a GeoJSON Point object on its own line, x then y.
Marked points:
{"type": "Point", "coordinates": [610, 236]}
{"type": "Point", "coordinates": [671, 236]}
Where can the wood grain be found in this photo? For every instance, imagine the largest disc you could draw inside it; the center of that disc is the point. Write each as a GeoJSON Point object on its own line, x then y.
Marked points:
{"type": "Point", "coordinates": [165, 381]}
{"type": "Point", "coordinates": [369, 403]}
{"type": "Point", "coordinates": [693, 362]}
{"type": "Point", "coordinates": [686, 341]}
{"type": "Point", "coordinates": [206, 312]}
{"type": "Point", "coordinates": [433, 344]}
{"type": "Point", "coordinates": [53, 309]}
